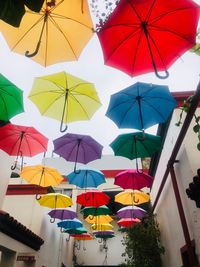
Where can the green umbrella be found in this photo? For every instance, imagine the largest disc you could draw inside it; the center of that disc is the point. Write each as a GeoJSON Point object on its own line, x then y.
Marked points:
{"type": "Point", "coordinates": [11, 99]}
{"type": "Point", "coordinates": [101, 210]}
{"type": "Point", "coordinates": [136, 145]}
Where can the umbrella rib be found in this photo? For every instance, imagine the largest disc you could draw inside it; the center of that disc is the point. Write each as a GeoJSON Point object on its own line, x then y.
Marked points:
{"type": "Point", "coordinates": [7, 93]}
{"type": "Point", "coordinates": [35, 139]}
{"type": "Point", "coordinates": [4, 104]}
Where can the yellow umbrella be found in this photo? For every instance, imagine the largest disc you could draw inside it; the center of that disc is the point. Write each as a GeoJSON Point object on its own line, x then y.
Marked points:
{"type": "Point", "coordinates": [101, 219]}
{"type": "Point", "coordinates": [59, 32]}
{"type": "Point", "coordinates": [41, 175]}
{"type": "Point", "coordinates": [102, 227]}
{"type": "Point", "coordinates": [132, 197]}
{"type": "Point", "coordinates": [55, 200]}
{"type": "Point", "coordinates": [64, 97]}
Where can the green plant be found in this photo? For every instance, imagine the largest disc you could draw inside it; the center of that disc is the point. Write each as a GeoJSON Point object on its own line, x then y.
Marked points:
{"type": "Point", "coordinates": [142, 244]}
{"type": "Point", "coordinates": [196, 49]}
{"type": "Point", "coordinates": [196, 128]}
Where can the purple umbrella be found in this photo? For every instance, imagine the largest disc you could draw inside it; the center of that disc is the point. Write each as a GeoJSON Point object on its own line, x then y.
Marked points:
{"type": "Point", "coordinates": [131, 212]}
{"type": "Point", "coordinates": [62, 214]}
{"type": "Point", "coordinates": [103, 232]}
{"type": "Point", "coordinates": [77, 148]}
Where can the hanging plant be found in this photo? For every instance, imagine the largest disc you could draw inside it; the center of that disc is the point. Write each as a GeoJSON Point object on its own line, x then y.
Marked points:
{"type": "Point", "coordinates": [185, 108]}
{"type": "Point", "coordinates": [196, 49]}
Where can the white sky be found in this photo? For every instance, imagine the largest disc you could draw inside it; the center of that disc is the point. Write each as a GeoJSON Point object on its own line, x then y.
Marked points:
{"type": "Point", "coordinates": [184, 76]}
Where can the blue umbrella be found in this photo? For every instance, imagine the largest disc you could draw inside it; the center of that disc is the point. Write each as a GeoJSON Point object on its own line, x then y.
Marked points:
{"type": "Point", "coordinates": [86, 178]}
{"type": "Point", "coordinates": [141, 105]}
{"type": "Point", "coordinates": [75, 223]}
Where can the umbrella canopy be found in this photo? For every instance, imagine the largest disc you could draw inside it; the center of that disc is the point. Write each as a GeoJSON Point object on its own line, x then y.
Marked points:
{"type": "Point", "coordinates": [55, 200]}
{"type": "Point", "coordinates": [41, 175]}
{"type": "Point", "coordinates": [102, 227]}
{"type": "Point", "coordinates": [77, 148]}
{"type": "Point", "coordinates": [108, 232]}
{"type": "Point", "coordinates": [63, 214]}
{"type": "Point", "coordinates": [86, 178]}
{"type": "Point", "coordinates": [141, 105]}
{"type": "Point", "coordinates": [132, 179]}
{"type": "Point", "coordinates": [101, 219]}
{"type": "Point", "coordinates": [131, 212]}
{"type": "Point", "coordinates": [64, 97]}
{"type": "Point", "coordinates": [127, 222]}
{"type": "Point", "coordinates": [136, 145]}
{"type": "Point", "coordinates": [74, 223]}
{"type": "Point", "coordinates": [132, 197]}
{"type": "Point", "coordinates": [93, 198]}
{"type": "Point", "coordinates": [79, 230]}
{"type": "Point", "coordinates": [104, 236]}
{"type": "Point", "coordinates": [11, 99]}
{"type": "Point", "coordinates": [58, 33]}
{"type": "Point", "coordinates": [84, 236]}
{"type": "Point", "coordinates": [8, 10]}
{"type": "Point", "coordinates": [144, 36]}
{"type": "Point", "coordinates": [95, 211]}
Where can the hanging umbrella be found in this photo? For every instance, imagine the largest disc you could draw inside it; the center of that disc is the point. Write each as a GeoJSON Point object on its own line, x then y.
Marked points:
{"type": "Point", "coordinates": [95, 211]}
{"type": "Point", "coordinates": [101, 219]}
{"type": "Point", "coordinates": [58, 33]}
{"type": "Point", "coordinates": [11, 99]}
{"type": "Point", "coordinates": [74, 223]}
{"type": "Point", "coordinates": [148, 35]}
{"type": "Point", "coordinates": [136, 145]}
{"type": "Point", "coordinates": [132, 179]}
{"type": "Point", "coordinates": [132, 197]}
{"type": "Point", "coordinates": [93, 198]}
{"type": "Point", "coordinates": [77, 148]}
{"type": "Point", "coordinates": [108, 232]}
{"type": "Point", "coordinates": [41, 175]}
{"type": "Point", "coordinates": [141, 105]}
{"type": "Point", "coordinates": [8, 10]}
{"type": "Point", "coordinates": [86, 178]}
{"type": "Point", "coordinates": [84, 236]}
{"type": "Point", "coordinates": [55, 200]}
{"type": "Point", "coordinates": [71, 231]}
{"type": "Point", "coordinates": [102, 227]}
{"type": "Point", "coordinates": [64, 97]}
{"type": "Point", "coordinates": [131, 212]}
{"type": "Point", "coordinates": [62, 214]}
{"type": "Point", "coordinates": [103, 236]}
{"type": "Point", "coordinates": [128, 222]}
{"type": "Point", "coordinates": [17, 140]}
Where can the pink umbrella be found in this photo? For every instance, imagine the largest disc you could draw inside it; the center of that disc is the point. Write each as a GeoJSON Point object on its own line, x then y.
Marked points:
{"type": "Point", "coordinates": [132, 179]}
{"type": "Point", "coordinates": [128, 222]}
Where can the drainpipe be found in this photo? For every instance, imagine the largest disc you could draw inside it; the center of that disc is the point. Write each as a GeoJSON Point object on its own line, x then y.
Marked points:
{"type": "Point", "coordinates": [170, 169]}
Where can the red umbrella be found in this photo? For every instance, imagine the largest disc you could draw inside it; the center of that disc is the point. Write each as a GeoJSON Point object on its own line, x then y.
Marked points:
{"type": "Point", "coordinates": [127, 222]}
{"type": "Point", "coordinates": [142, 36]}
{"type": "Point", "coordinates": [93, 198]}
{"type": "Point", "coordinates": [17, 140]}
{"type": "Point", "coordinates": [133, 179]}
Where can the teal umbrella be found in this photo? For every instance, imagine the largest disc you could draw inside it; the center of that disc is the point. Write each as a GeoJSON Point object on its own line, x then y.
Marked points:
{"type": "Point", "coordinates": [74, 231]}
{"type": "Point", "coordinates": [101, 210]}
{"type": "Point", "coordinates": [136, 145]}
{"type": "Point", "coordinates": [11, 99]}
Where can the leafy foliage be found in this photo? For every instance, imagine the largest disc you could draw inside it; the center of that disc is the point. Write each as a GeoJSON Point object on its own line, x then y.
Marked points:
{"type": "Point", "coordinates": [196, 49]}
{"type": "Point", "coordinates": [143, 246]}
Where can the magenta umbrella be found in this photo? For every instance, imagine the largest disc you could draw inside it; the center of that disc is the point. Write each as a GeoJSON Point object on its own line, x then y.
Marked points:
{"type": "Point", "coordinates": [133, 179]}
{"type": "Point", "coordinates": [131, 212]}
{"type": "Point", "coordinates": [62, 214]}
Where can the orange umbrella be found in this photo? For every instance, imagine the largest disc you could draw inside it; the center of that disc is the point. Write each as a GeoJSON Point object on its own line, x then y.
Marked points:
{"type": "Point", "coordinates": [132, 197]}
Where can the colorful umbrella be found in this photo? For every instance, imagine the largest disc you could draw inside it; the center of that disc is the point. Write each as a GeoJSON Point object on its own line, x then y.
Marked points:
{"type": "Point", "coordinates": [77, 148]}
{"type": "Point", "coordinates": [102, 227]}
{"type": "Point", "coordinates": [132, 197]}
{"type": "Point", "coordinates": [62, 214]}
{"type": "Point", "coordinates": [17, 140]}
{"type": "Point", "coordinates": [148, 35]}
{"type": "Point", "coordinates": [71, 231]}
{"type": "Point", "coordinates": [74, 223]}
{"type": "Point", "coordinates": [11, 99]}
{"type": "Point", "coordinates": [128, 222]}
{"type": "Point", "coordinates": [41, 175]}
{"type": "Point", "coordinates": [108, 232]}
{"type": "Point", "coordinates": [55, 200]}
{"type": "Point", "coordinates": [95, 211]}
{"type": "Point", "coordinates": [59, 32]}
{"type": "Point", "coordinates": [64, 97]}
{"type": "Point", "coordinates": [86, 178]}
{"type": "Point", "coordinates": [132, 179]}
{"type": "Point", "coordinates": [141, 105]}
{"type": "Point", "coordinates": [8, 10]}
{"type": "Point", "coordinates": [84, 236]}
{"type": "Point", "coordinates": [136, 145]}
{"type": "Point", "coordinates": [93, 198]}
{"type": "Point", "coordinates": [104, 236]}
{"type": "Point", "coordinates": [101, 219]}
{"type": "Point", "coordinates": [131, 212]}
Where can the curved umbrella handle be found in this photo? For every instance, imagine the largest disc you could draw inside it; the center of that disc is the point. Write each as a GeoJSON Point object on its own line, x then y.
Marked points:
{"type": "Point", "coordinates": [75, 170]}
{"type": "Point", "coordinates": [100, 241]}
{"type": "Point", "coordinates": [28, 54]}
{"type": "Point", "coordinates": [52, 220]}
{"type": "Point", "coordinates": [134, 199]}
{"type": "Point", "coordinates": [13, 167]}
{"type": "Point", "coordinates": [84, 248]}
{"type": "Point", "coordinates": [160, 76]}
{"type": "Point", "coordinates": [62, 231]}
{"type": "Point", "coordinates": [37, 197]}
{"type": "Point", "coordinates": [67, 239]}
{"type": "Point", "coordinates": [91, 217]}
{"type": "Point", "coordinates": [62, 130]}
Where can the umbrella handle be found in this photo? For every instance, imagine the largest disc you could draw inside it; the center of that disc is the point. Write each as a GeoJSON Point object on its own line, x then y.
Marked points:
{"type": "Point", "coordinates": [67, 239]}
{"type": "Point", "coordinates": [52, 220]}
{"type": "Point", "coordinates": [13, 167]}
{"type": "Point", "coordinates": [62, 231]}
{"type": "Point", "coordinates": [134, 199]}
{"type": "Point", "coordinates": [76, 171]}
{"type": "Point", "coordinates": [84, 248]}
{"type": "Point", "coordinates": [28, 54]}
{"type": "Point", "coordinates": [37, 197]}
{"type": "Point", "coordinates": [160, 76]}
{"type": "Point", "coordinates": [62, 130]}
{"type": "Point", "coordinates": [100, 241]}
